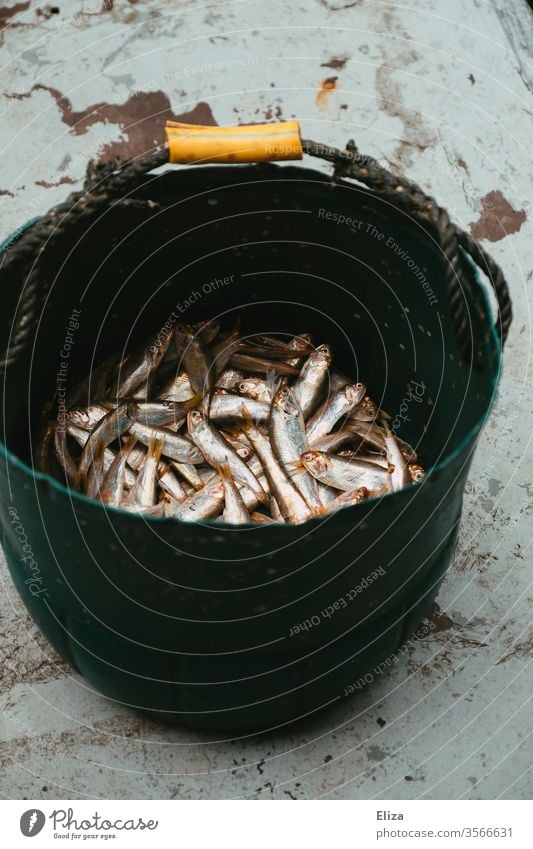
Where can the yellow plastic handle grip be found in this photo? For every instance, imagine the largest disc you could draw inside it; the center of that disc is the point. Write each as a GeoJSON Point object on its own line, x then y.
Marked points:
{"type": "Point", "coordinates": [193, 143]}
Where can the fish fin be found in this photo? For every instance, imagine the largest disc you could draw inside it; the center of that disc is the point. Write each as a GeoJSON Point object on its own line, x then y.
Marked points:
{"type": "Point", "coordinates": [295, 467]}
{"type": "Point", "coordinates": [155, 448]}
{"type": "Point", "coordinates": [223, 470]}
{"type": "Point", "coordinates": [194, 401]}
{"type": "Point", "coordinates": [248, 421]}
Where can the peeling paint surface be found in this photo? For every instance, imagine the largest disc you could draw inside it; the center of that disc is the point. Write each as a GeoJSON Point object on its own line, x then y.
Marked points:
{"type": "Point", "coordinates": [449, 105]}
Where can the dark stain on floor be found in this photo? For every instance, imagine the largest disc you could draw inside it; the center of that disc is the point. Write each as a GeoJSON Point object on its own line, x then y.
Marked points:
{"type": "Point", "coordinates": [440, 621]}
{"type": "Point", "coordinates": [498, 219]}
{"type": "Point", "coordinates": [274, 111]}
{"type": "Point", "coordinates": [334, 63]}
{"type": "Point", "coordinates": [46, 185]}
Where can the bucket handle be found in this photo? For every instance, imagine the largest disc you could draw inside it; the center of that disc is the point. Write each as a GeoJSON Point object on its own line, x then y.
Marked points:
{"type": "Point", "coordinates": [112, 182]}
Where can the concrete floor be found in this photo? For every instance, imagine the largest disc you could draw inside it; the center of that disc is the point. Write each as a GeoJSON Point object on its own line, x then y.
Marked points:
{"type": "Point", "coordinates": [446, 97]}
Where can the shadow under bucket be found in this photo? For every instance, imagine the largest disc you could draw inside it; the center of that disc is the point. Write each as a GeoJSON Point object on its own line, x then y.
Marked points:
{"type": "Point", "coordinates": [204, 624]}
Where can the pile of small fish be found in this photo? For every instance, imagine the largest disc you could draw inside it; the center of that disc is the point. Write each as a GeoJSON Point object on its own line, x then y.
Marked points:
{"type": "Point", "coordinates": [200, 423]}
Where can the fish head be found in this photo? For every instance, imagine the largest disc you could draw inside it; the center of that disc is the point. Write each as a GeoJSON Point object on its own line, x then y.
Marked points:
{"type": "Point", "coordinates": [355, 496]}
{"type": "Point", "coordinates": [323, 354]}
{"type": "Point", "coordinates": [132, 410]}
{"type": "Point", "coordinates": [302, 343]}
{"type": "Point", "coordinates": [245, 452]}
{"type": "Point", "coordinates": [355, 392]}
{"type": "Point", "coordinates": [369, 406]}
{"type": "Point", "coordinates": [316, 462]}
{"type": "Point", "coordinates": [417, 472]}
{"type": "Point", "coordinates": [285, 401]}
{"type": "Point", "coordinates": [78, 418]}
{"type": "Point", "coordinates": [248, 385]}
{"type": "Point", "coordinates": [194, 419]}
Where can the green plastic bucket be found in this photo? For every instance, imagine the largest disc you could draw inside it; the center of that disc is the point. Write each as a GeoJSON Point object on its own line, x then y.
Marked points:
{"type": "Point", "coordinates": [201, 624]}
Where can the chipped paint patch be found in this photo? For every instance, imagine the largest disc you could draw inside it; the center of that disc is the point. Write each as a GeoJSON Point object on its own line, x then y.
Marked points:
{"type": "Point", "coordinates": [8, 12]}
{"type": "Point", "coordinates": [141, 118]}
{"type": "Point", "coordinates": [498, 219]}
{"type": "Point", "coordinates": [201, 114]}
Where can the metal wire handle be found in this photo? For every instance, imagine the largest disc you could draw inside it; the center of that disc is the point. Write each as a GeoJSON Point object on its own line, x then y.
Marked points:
{"type": "Point", "coordinates": [110, 183]}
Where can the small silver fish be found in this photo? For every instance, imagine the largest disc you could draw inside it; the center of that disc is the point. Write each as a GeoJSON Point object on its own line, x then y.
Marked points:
{"type": "Point", "coordinates": [196, 359]}
{"type": "Point", "coordinates": [400, 476]}
{"type": "Point", "coordinates": [291, 503]}
{"type": "Point", "coordinates": [311, 382]}
{"type": "Point", "coordinates": [95, 478]}
{"type": "Point", "coordinates": [144, 491]}
{"type": "Point", "coordinates": [174, 446]}
{"type": "Point", "coordinates": [112, 488]}
{"type": "Point", "coordinates": [235, 510]}
{"type": "Point", "coordinates": [226, 407]}
{"type": "Point", "coordinates": [260, 365]}
{"type": "Point", "coordinates": [345, 474]}
{"type": "Point", "coordinates": [289, 441]}
{"type": "Point", "coordinates": [161, 413]}
{"type": "Point", "coordinates": [140, 364]}
{"type": "Point", "coordinates": [340, 404]}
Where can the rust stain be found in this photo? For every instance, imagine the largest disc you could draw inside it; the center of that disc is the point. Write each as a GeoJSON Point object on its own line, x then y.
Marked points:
{"type": "Point", "coordinates": [8, 12]}
{"type": "Point", "coordinates": [141, 118]}
{"type": "Point", "coordinates": [335, 63]}
{"type": "Point", "coordinates": [326, 87]}
{"type": "Point", "coordinates": [498, 218]}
